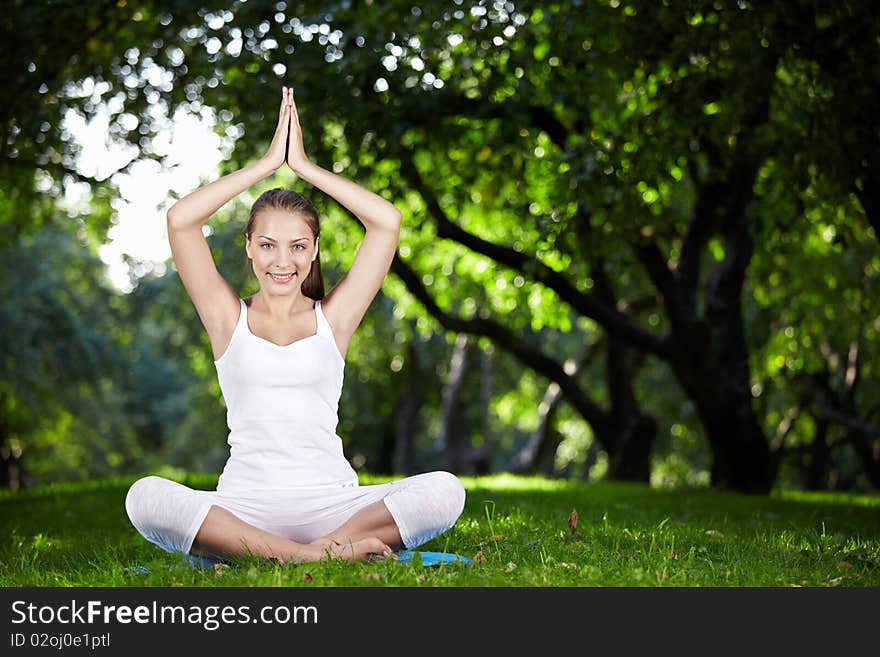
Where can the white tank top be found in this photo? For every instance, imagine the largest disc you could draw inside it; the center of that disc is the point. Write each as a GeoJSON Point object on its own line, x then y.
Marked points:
{"type": "Point", "coordinates": [282, 403]}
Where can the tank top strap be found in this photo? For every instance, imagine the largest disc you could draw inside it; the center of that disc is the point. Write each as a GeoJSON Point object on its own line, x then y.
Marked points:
{"type": "Point", "coordinates": [242, 316]}
{"type": "Point", "coordinates": [323, 324]}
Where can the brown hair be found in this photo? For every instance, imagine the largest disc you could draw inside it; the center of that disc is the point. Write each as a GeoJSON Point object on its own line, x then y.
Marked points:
{"type": "Point", "coordinates": [286, 199]}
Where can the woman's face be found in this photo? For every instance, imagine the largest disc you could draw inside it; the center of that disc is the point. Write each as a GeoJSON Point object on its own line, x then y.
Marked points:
{"type": "Point", "coordinates": [282, 250]}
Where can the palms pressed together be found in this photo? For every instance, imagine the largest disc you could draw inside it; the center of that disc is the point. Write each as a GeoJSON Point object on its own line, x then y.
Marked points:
{"type": "Point", "coordinates": [287, 142]}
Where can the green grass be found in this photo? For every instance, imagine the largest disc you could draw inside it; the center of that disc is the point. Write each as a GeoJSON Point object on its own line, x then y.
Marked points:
{"type": "Point", "coordinates": [627, 535]}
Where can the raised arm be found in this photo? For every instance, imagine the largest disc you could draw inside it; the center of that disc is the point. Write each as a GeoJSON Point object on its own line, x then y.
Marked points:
{"type": "Point", "coordinates": [346, 304]}
{"type": "Point", "coordinates": [215, 301]}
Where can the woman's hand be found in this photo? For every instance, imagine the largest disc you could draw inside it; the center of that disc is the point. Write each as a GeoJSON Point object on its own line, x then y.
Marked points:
{"type": "Point", "coordinates": [296, 154]}
{"type": "Point", "coordinates": [277, 152]}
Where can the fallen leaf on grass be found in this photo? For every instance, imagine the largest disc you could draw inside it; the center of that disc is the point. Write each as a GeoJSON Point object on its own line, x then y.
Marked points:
{"type": "Point", "coordinates": [307, 577]}
{"type": "Point", "coordinates": [497, 537]}
{"type": "Point", "coordinates": [573, 521]}
{"type": "Point", "coordinates": [673, 554]}
{"type": "Point", "coordinates": [511, 566]}
{"type": "Point", "coordinates": [846, 564]}
{"type": "Point", "coordinates": [374, 576]}
{"type": "Point", "coordinates": [835, 581]}
{"type": "Point", "coordinates": [220, 567]}
{"type": "Point", "coordinates": [715, 533]}
{"type": "Point", "coordinates": [479, 557]}
{"type": "Point", "coordinates": [420, 578]}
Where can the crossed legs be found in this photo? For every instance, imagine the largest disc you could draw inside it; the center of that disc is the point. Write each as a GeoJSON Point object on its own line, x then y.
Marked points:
{"type": "Point", "coordinates": [373, 521]}
{"type": "Point", "coordinates": [404, 513]}
{"type": "Point", "coordinates": [370, 533]}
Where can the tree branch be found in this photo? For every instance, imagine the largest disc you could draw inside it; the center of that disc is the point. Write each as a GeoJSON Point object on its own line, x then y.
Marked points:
{"type": "Point", "coordinates": [448, 103]}
{"type": "Point", "coordinates": [831, 414]}
{"type": "Point", "coordinates": [585, 304]}
{"type": "Point", "coordinates": [526, 458]}
{"type": "Point", "coordinates": [701, 226]}
{"type": "Point", "coordinates": [785, 427]}
{"type": "Point", "coordinates": [502, 336]}
{"type": "Point", "coordinates": [680, 315]}
{"type": "Point", "coordinates": [725, 284]}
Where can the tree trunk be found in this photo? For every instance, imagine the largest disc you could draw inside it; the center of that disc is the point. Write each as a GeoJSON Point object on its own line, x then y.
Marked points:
{"type": "Point", "coordinates": [454, 439]}
{"type": "Point", "coordinates": [836, 404]}
{"type": "Point", "coordinates": [633, 438]}
{"type": "Point", "coordinates": [12, 473]}
{"type": "Point", "coordinates": [741, 456]}
{"type": "Point", "coordinates": [5, 453]}
{"type": "Point", "coordinates": [406, 422]}
{"type": "Point", "coordinates": [486, 389]}
{"type": "Point", "coordinates": [628, 434]}
{"type": "Point", "coordinates": [816, 472]}
{"type": "Point", "coordinates": [538, 454]}
{"type": "Point", "coordinates": [710, 356]}
{"type": "Point", "coordinates": [869, 454]}
{"type": "Point", "coordinates": [720, 389]}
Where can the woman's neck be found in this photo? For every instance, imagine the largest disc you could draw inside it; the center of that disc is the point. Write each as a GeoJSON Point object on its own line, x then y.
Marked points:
{"type": "Point", "coordinates": [282, 306]}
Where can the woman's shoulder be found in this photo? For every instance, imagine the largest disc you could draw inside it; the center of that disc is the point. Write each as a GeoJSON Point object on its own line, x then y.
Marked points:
{"type": "Point", "coordinates": [328, 308]}
{"type": "Point", "coordinates": [220, 335]}
{"type": "Point", "coordinates": [337, 326]}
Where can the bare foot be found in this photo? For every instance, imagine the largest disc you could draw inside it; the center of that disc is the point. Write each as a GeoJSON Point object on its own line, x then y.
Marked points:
{"type": "Point", "coordinates": [325, 541]}
{"type": "Point", "coordinates": [366, 549]}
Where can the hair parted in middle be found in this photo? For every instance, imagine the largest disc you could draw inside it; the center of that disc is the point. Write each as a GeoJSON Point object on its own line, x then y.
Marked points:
{"type": "Point", "coordinates": [287, 199]}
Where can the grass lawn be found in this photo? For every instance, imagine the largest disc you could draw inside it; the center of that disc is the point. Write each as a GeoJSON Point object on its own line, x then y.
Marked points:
{"type": "Point", "coordinates": [515, 528]}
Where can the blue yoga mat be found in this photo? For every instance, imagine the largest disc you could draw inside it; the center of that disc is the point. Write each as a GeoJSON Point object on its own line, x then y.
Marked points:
{"type": "Point", "coordinates": [405, 556]}
{"type": "Point", "coordinates": [136, 570]}
{"type": "Point", "coordinates": [432, 558]}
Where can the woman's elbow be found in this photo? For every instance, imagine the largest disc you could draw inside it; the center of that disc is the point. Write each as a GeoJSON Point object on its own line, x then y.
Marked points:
{"type": "Point", "coordinates": [395, 218]}
{"type": "Point", "coordinates": [171, 216]}
{"type": "Point", "coordinates": [177, 219]}
{"type": "Point", "coordinates": [390, 220]}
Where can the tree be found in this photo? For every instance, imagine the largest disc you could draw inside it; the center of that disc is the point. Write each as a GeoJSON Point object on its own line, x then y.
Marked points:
{"type": "Point", "coordinates": [574, 161]}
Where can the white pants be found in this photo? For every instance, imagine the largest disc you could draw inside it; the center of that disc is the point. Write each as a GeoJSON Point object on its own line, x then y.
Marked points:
{"type": "Point", "coordinates": [170, 514]}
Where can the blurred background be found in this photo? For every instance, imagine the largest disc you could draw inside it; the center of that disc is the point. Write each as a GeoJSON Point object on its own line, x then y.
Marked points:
{"type": "Point", "coordinates": [640, 239]}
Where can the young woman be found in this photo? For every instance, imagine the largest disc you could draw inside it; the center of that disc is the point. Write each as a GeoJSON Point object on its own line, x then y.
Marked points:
{"type": "Point", "coordinates": [287, 492]}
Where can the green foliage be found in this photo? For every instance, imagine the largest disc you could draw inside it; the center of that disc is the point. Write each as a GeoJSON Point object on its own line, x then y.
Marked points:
{"type": "Point", "coordinates": [62, 360]}
{"type": "Point", "coordinates": [571, 132]}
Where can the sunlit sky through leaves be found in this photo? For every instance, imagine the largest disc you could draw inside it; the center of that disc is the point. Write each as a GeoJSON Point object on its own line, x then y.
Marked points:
{"type": "Point", "coordinates": [191, 151]}
{"type": "Point", "coordinates": [188, 148]}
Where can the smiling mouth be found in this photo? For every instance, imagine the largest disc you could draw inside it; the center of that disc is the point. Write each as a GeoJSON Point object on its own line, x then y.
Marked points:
{"type": "Point", "coordinates": [282, 278]}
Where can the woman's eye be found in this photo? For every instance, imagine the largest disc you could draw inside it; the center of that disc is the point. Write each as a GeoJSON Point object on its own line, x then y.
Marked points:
{"type": "Point", "coordinates": [298, 246]}
{"type": "Point", "coordinates": [265, 245]}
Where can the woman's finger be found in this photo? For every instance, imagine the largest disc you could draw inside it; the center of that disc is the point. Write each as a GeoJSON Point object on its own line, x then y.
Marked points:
{"type": "Point", "coordinates": [283, 116]}
{"type": "Point", "coordinates": [285, 99]}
